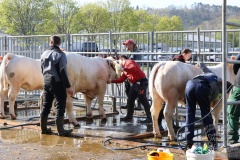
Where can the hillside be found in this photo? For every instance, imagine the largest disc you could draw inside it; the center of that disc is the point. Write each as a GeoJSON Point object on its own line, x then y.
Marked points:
{"type": "Point", "coordinates": [200, 15]}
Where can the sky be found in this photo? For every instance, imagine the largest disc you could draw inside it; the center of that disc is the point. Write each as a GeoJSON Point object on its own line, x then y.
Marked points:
{"type": "Point", "coordinates": [166, 3]}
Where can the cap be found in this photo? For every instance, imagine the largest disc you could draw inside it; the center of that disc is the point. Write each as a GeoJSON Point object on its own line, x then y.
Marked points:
{"type": "Point", "coordinates": [129, 41]}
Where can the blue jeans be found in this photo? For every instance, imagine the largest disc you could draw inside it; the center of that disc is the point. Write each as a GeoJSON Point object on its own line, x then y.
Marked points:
{"type": "Point", "coordinates": [198, 92]}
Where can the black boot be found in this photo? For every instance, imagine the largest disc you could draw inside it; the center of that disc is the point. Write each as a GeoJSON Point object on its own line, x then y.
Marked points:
{"type": "Point", "coordinates": [43, 124]}
{"type": "Point", "coordinates": [129, 115]}
{"type": "Point", "coordinates": [60, 128]}
{"type": "Point", "coordinates": [124, 107]}
{"type": "Point", "coordinates": [147, 120]}
{"type": "Point", "coordinates": [126, 118]}
{"type": "Point", "coordinates": [148, 113]}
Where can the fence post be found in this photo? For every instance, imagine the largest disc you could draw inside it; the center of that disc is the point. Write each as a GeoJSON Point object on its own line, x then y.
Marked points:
{"type": "Point", "coordinates": [5, 46]}
{"type": "Point", "coordinates": [224, 72]}
{"type": "Point", "coordinates": [68, 43]}
{"type": "Point", "coordinates": [198, 44]}
{"type": "Point", "coordinates": [110, 41]}
{"type": "Point", "coordinates": [112, 85]}
{"type": "Point", "coordinates": [114, 105]}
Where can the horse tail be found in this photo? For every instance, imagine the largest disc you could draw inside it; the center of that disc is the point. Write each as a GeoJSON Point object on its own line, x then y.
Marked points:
{"type": "Point", "coordinates": [153, 75]}
{"type": "Point", "coordinates": [6, 59]}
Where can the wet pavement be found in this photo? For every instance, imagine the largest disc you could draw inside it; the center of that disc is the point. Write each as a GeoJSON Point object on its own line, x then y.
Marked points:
{"type": "Point", "coordinates": [20, 143]}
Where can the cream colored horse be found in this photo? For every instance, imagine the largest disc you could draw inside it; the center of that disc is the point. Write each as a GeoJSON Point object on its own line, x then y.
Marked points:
{"type": "Point", "coordinates": [167, 83]}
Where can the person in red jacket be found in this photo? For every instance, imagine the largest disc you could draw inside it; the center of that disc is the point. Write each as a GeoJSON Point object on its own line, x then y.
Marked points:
{"type": "Point", "coordinates": [131, 71]}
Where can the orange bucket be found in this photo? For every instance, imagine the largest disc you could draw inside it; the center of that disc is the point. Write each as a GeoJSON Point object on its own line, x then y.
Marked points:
{"type": "Point", "coordinates": [156, 155]}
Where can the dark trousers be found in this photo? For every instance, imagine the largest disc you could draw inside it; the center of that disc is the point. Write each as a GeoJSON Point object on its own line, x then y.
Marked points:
{"type": "Point", "coordinates": [198, 92]}
{"type": "Point", "coordinates": [127, 90]}
{"type": "Point", "coordinates": [138, 90]}
{"type": "Point", "coordinates": [53, 90]}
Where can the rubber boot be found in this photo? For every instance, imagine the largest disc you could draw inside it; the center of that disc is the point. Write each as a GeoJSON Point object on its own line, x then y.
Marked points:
{"type": "Point", "coordinates": [129, 116]}
{"type": "Point", "coordinates": [148, 114]}
{"type": "Point", "coordinates": [43, 124]}
{"type": "Point", "coordinates": [60, 128]}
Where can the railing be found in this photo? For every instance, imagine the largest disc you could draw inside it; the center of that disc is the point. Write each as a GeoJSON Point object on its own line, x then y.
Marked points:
{"type": "Point", "coordinates": [154, 47]}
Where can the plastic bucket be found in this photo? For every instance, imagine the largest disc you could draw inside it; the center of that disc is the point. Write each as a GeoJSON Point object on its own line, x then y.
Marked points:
{"type": "Point", "coordinates": [192, 156]}
{"type": "Point", "coordinates": [155, 155]}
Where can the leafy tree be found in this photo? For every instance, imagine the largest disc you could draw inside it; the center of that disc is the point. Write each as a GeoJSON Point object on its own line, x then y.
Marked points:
{"type": "Point", "coordinates": [121, 15]}
{"type": "Point", "coordinates": [22, 17]}
{"type": "Point", "coordinates": [170, 24]}
{"type": "Point", "coordinates": [143, 20]}
{"type": "Point", "coordinates": [233, 36]}
{"type": "Point", "coordinates": [173, 23]}
{"type": "Point", "coordinates": [61, 17]}
{"type": "Point", "coordinates": [91, 18]}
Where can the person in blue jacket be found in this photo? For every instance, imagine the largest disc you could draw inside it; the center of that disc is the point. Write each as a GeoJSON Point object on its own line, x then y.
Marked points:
{"type": "Point", "coordinates": [202, 89]}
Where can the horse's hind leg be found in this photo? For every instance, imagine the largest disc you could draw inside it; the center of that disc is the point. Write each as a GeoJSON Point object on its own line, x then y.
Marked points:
{"type": "Point", "coordinates": [155, 110]}
{"type": "Point", "coordinates": [216, 114]}
{"type": "Point", "coordinates": [168, 114]}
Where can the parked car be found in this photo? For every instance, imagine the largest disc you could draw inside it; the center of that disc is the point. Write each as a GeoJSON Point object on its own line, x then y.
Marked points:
{"type": "Point", "coordinates": [88, 47]}
{"type": "Point", "coordinates": [214, 58]}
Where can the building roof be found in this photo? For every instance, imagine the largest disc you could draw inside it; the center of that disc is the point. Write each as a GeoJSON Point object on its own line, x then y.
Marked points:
{"type": "Point", "coordinates": [191, 37]}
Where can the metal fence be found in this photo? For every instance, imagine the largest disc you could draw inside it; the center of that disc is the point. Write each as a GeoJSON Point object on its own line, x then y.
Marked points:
{"type": "Point", "coordinates": [154, 47]}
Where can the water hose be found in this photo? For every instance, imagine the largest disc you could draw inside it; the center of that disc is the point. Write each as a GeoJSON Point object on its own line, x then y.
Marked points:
{"type": "Point", "coordinates": [154, 145]}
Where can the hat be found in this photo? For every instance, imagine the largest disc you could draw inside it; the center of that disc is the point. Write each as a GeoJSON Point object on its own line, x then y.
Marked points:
{"type": "Point", "coordinates": [128, 42]}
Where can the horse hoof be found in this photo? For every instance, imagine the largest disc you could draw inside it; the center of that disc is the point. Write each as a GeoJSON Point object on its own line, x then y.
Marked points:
{"type": "Point", "coordinates": [172, 138]}
{"type": "Point", "coordinates": [89, 116]}
{"type": "Point", "coordinates": [76, 126]}
{"type": "Point", "coordinates": [13, 117]}
{"type": "Point", "coordinates": [157, 136]}
{"type": "Point", "coordinates": [104, 121]}
{"type": "Point", "coordinates": [89, 121]}
{"type": "Point", "coordinates": [2, 116]}
{"type": "Point", "coordinates": [103, 117]}
{"type": "Point", "coordinates": [53, 113]}
{"type": "Point", "coordinates": [218, 136]}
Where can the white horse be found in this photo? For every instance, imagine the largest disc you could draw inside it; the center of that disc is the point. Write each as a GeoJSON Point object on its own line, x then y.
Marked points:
{"type": "Point", "coordinates": [86, 75]}
{"type": "Point", "coordinates": [167, 83]}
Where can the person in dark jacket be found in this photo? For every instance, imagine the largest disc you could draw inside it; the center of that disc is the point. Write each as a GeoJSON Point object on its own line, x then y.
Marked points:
{"type": "Point", "coordinates": [137, 77]}
{"type": "Point", "coordinates": [233, 111]}
{"type": "Point", "coordinates": [56, 84]}
{"type": "Point", "coordinates": [184, 56]}
{"type": "Point", "coordinates": [202, 89]}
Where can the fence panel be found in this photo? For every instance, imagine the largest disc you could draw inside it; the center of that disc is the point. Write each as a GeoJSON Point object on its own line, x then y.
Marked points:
{"type": "Point", "coordinates": [154, 47]}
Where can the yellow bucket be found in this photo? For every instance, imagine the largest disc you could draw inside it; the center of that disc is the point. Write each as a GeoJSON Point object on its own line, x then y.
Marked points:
{"type": "Point", "coordinates": [156, 155]}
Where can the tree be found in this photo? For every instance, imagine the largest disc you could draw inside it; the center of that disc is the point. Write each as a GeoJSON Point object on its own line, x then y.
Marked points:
{"type": "Point", "coordinates": [91, 18]}
{"type": "Point", "coordinates": [170, 24]}
{"type": "Point", "coordinates": [121, 15]}
{"type": "Point", "coordinates": [22, 17]}
{"type": "Point", "coordinates": [61, 17]}
{"type": "Point", "coordinates": [233, 36]}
